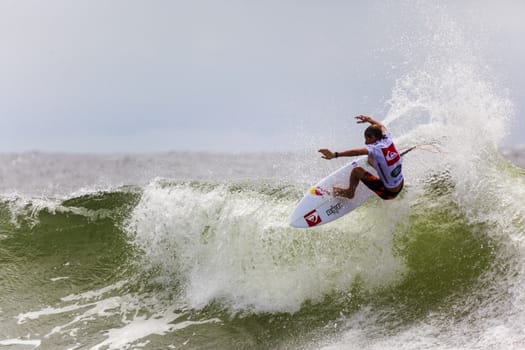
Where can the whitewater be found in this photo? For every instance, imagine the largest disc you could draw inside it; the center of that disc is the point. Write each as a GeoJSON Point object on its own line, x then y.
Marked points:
{"type": "Point", "coordinates": [184, 250]}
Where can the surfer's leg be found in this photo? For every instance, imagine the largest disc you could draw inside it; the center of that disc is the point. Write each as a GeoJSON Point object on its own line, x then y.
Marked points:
{"type": "Point", "coordinates": [376, 185]}
{"type": "Point", "coordinates": [355, 176]}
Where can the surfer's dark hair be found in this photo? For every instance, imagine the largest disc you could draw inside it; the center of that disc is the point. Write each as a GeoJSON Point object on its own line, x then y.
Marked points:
{"type": "Point", "coordinates": [374, 131]}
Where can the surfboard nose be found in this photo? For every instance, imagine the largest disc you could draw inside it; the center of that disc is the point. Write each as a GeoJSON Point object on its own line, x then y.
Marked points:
{"type": "Point", "coordinates": [298, 224]}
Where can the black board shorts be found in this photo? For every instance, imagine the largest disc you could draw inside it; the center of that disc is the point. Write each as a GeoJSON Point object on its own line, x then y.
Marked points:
{"type": "Point", "coordinates": [377, 186]}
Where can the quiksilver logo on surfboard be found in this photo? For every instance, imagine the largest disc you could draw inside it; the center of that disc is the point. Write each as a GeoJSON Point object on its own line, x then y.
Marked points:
{"type": "Point", "coordinates": [312, 218]}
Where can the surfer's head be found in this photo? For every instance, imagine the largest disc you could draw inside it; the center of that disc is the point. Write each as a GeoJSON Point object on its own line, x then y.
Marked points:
{"type": "Point", "coordinates": [372, 134]}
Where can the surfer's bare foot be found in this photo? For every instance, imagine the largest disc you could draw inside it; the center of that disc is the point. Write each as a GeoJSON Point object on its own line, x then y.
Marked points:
{"type": "Point", "coordinates": [343, 192]}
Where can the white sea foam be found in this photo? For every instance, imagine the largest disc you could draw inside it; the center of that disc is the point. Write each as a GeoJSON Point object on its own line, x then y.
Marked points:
{"type": "Point", "coordinates": [30, 343]}
{"type": "Point", "coordinates": [235, 247]}
{"type": "Point", "coordinates": [140, 315]}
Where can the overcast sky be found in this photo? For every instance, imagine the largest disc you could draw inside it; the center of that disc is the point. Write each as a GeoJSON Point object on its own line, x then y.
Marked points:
{"type": "Point", "coordinates": [152, 75]}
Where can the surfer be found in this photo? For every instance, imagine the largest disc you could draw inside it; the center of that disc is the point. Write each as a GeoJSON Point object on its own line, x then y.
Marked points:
{"type": "Point", "coordinates": [382, 155]}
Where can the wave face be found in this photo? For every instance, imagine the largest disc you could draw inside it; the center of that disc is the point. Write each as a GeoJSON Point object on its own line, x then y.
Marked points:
{"type": "Point", "coordinates": [194, 250]}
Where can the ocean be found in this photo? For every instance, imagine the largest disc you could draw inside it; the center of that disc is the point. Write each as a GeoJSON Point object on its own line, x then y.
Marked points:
{"type": "Point", "coordinates": [193, 251]}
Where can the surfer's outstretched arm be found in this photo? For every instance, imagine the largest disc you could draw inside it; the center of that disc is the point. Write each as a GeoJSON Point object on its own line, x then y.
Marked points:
{"type": "Point", "coordinates": [327, 154]}
{"type": "Point", "coordinates": [372, 121]}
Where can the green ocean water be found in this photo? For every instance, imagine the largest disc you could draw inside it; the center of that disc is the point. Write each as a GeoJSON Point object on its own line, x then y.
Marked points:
{"type": "Point", "coordinates": [200, 264]}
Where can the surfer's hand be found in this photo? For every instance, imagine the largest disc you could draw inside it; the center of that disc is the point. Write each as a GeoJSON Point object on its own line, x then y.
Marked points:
{"type": "Point", "coordinates": [363, 119]}
{"type": "Point", "coordinates": [326, 153]}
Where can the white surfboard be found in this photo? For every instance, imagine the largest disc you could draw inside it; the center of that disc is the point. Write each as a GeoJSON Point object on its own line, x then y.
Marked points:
{"type": "Point", "coordinates": [319, 206]}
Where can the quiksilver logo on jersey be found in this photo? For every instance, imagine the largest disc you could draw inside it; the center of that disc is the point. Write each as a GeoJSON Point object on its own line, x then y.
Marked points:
{"type": "Point", "coordinates": [391, 154]}
{"type": "Point", "coordinates": [312, 218]}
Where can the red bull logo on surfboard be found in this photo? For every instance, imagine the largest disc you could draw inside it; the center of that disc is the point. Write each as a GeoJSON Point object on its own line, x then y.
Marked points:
{"type": "Point", "coordinates": [319, 191]}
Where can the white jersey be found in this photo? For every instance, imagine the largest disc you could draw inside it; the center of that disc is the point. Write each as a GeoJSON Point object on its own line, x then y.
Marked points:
{"type": "Point", "coordinates": [386, 160]}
